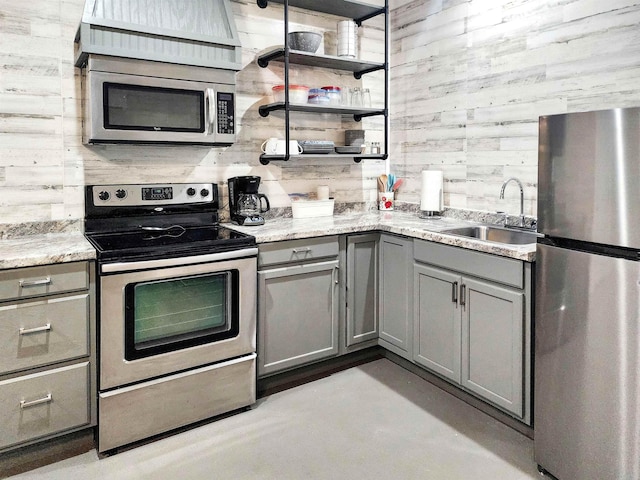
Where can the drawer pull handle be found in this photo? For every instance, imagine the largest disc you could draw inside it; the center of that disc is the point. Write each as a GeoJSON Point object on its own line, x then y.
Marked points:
{"type": "Point", "coordinates": [301, 250]}
{"type": "Point", "coordinates": [463, 294]}
{"type": "Point", "coordinates": [454, 292]}
{"type": "Point", "coordinates": [27, 331]}
{"type": "Point", "coordinates": [35, 283]}
{"type": "Point", "coordinates": [47, 399]}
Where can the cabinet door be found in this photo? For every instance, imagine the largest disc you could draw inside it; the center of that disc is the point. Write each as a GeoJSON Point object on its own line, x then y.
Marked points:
{"type": "Point", "coordinates": [297, 315]}
{"type": "Point", "coordinates": [362, 291]}
{"type": "Point", "coordinates": [492, 344]}
{"type": "Point", "coordinates": [437, 321]}
{"type": "Point", "coordinates": [395, 294]}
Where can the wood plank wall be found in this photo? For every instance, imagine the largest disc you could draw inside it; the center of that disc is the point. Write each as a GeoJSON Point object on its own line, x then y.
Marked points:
{"type": "Point", "coordinates": [469, 80]}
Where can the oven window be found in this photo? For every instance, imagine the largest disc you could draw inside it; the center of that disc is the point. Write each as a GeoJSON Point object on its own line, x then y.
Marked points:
{"type": "Point", "coordinates": [168, 315]}
{"type": "Point", "coordinates": [137, 107]}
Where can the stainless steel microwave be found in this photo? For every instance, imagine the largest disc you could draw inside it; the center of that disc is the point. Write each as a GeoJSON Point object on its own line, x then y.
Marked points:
{"type": "Point", "coordinates": [138, 101]}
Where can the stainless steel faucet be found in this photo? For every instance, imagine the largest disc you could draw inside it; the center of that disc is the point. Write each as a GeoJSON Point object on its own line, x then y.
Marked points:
{"type": "Point", "coordinates": [504, 185]}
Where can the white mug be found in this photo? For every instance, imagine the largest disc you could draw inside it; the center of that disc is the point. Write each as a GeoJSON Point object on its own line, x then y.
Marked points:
{"type": "Point", "coordinates": [277, 146]}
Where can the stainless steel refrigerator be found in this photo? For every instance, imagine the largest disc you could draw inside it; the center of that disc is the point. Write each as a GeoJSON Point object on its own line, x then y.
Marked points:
{"type": "Point", "coordinates": [587, 306]}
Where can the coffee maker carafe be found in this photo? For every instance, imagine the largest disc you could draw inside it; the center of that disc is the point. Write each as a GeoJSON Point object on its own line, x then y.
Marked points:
{"type": "Point", "coordinates": [246, 205]}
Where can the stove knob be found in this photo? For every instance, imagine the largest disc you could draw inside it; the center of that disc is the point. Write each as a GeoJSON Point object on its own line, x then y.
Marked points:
{"type": "Point", "coordinates": [104, 196]}
{"type": "Point", "coordinates": [204, 192]}
{"type": "Point", "coordinates": [120, 193]}
{"type": "Point", "coordinates": [191, 191]}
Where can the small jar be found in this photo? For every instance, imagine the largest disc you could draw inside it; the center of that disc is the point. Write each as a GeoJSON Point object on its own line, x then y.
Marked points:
{"type": "Point", "coordinates": [375, 148]}
{"type": "Point", "coordinates": [334, 94]}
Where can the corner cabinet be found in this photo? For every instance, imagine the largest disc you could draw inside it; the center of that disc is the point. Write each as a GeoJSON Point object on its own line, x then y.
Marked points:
{"type": "Point", "coordinates": [472, 323]}
{"type": "Point", "coordinates": [359, 12]}
{"type": "Point", "coordinates": [396, 294]}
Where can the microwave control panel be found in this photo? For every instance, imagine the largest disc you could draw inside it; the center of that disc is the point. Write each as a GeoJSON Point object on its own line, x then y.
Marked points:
{"type": "Point", "coordinates": [225, 109]}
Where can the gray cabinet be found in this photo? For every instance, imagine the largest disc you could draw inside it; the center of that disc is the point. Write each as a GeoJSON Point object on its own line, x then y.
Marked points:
{"type": "Point", "coordinates": [395, 294]}
{"type": "Point", "coordinates": [47, 363]}
{"type": "Point", "coordinates": [472, 326]}
{"type": "Point", "coordinates": [438, 321]}
{"type": "Point", "coordinates": [492, 338]}
{"type": "Point", "coordinates": [298, 303]}
{"type": "Point", "coordinates": [361, 290]}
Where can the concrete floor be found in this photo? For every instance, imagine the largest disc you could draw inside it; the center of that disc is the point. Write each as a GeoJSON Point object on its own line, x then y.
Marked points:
{"type": "Point", "coordinates": [373, 421]}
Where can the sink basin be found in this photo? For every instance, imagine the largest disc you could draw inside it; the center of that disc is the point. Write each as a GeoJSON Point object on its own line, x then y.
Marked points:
{"type": "Point", "coordinates": [495, 234]}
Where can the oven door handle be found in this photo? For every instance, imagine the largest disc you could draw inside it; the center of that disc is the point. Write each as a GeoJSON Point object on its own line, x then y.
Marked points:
{"type": "Point", "coordinates": [177, 261]}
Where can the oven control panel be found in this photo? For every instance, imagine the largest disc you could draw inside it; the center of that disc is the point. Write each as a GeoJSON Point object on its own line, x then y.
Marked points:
{"type": "Point", "coordinates": [156, 194]}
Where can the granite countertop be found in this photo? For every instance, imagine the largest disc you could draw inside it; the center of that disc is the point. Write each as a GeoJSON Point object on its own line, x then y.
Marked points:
{"type": "Point", "coordinates": [401, 223]}
{"type": "Point", "coordinates": [43, 249]}
{"type": "Point", "coordinates": [61, 247]}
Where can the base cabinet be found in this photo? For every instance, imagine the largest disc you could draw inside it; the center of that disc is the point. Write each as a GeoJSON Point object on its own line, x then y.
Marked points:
{"type": "Point", "coordinates": [438, 326]}
{"type": "Point", "coordinates": [395, 294]}
{"type": "Point", "coordinates": [47, 363]}
{"type": "Point", "coordinates": [475, 331]}
{"type": "Point", "coordinates": [298, 304]}
{"type": "Point", "coordinates": [361, 289]}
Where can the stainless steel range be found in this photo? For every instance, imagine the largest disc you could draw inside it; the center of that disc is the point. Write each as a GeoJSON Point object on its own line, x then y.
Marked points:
{"type": "Point", "coordinates": [177, 309]}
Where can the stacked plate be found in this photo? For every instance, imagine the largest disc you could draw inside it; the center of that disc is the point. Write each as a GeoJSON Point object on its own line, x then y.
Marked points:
{"type": "Point", "coordinates": [317, 146]}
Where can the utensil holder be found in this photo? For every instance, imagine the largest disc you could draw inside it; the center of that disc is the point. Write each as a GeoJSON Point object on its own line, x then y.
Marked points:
{"type": "Point", "coordinates": [385, 200]}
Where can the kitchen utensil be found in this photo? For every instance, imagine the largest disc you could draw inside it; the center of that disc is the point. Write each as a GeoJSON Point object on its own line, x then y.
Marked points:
{"type": "Point", "coordinates": [382, 182]}
{"type": "Point", "coordinates": [305, 41]}
{"type": "Point", "coordinates": [390, 181]}
{"type": "Point", "coordinates": [397, 184]}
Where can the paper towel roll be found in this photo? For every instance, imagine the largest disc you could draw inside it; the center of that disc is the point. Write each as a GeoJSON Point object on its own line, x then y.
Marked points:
{"type": "Point", "coordinates": [431, 199]}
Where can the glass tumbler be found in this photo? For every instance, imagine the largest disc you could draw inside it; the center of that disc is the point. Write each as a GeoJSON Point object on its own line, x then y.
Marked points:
{"type": "Point", "coordinates": [366, 98]}
{"type": "Point", "coordinates": [355, 95]}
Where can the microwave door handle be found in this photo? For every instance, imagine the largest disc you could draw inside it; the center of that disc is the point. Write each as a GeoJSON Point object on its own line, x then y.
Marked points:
{"type": "Point", "coordinates": [210, 111]}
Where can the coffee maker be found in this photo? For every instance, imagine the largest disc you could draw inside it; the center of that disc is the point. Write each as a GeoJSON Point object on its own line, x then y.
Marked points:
{"type": "Point", "coordinates": [246, 205]}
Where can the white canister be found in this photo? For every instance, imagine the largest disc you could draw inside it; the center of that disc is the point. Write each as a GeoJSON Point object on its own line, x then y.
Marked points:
{"type": "Point", "coordinates": [323, 192]}
{"type": "Point", "coordinates": [347, 38]}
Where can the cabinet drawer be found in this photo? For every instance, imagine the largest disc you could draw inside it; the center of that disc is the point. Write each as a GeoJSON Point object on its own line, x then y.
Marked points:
{"type": "Point", "coordinates": [508, 271]}
{"type": "Point", "coordinates": [40, 332]}
{"type": "Point", "coordinates": [302, 250]}
{"type": "Point", "coordinates": [43, 280]}
{"type": "Point", "coordinates": [43, 403]}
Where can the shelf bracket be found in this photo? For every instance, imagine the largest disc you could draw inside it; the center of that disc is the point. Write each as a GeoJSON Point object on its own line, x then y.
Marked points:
{"type": "Point", "coordinates": [359, 21]}
{"type": "Point", "coordinates": [262, 3]}
{"type": "Point", "coordinates": [358, 75]}
{"type": "Point", "coordinates": [264, 60]}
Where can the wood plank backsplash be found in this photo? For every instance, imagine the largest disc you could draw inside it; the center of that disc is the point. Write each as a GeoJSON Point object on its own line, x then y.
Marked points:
{"type": "Point", "coordinates": [469, 80]}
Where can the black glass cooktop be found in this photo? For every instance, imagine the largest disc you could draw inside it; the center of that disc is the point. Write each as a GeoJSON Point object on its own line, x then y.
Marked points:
{"type": "Point", "coordinates": [168, 241]}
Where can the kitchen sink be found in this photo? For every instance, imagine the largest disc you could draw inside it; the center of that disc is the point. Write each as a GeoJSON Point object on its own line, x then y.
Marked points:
{"type": "Point", "coordinates": [495, 234]}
